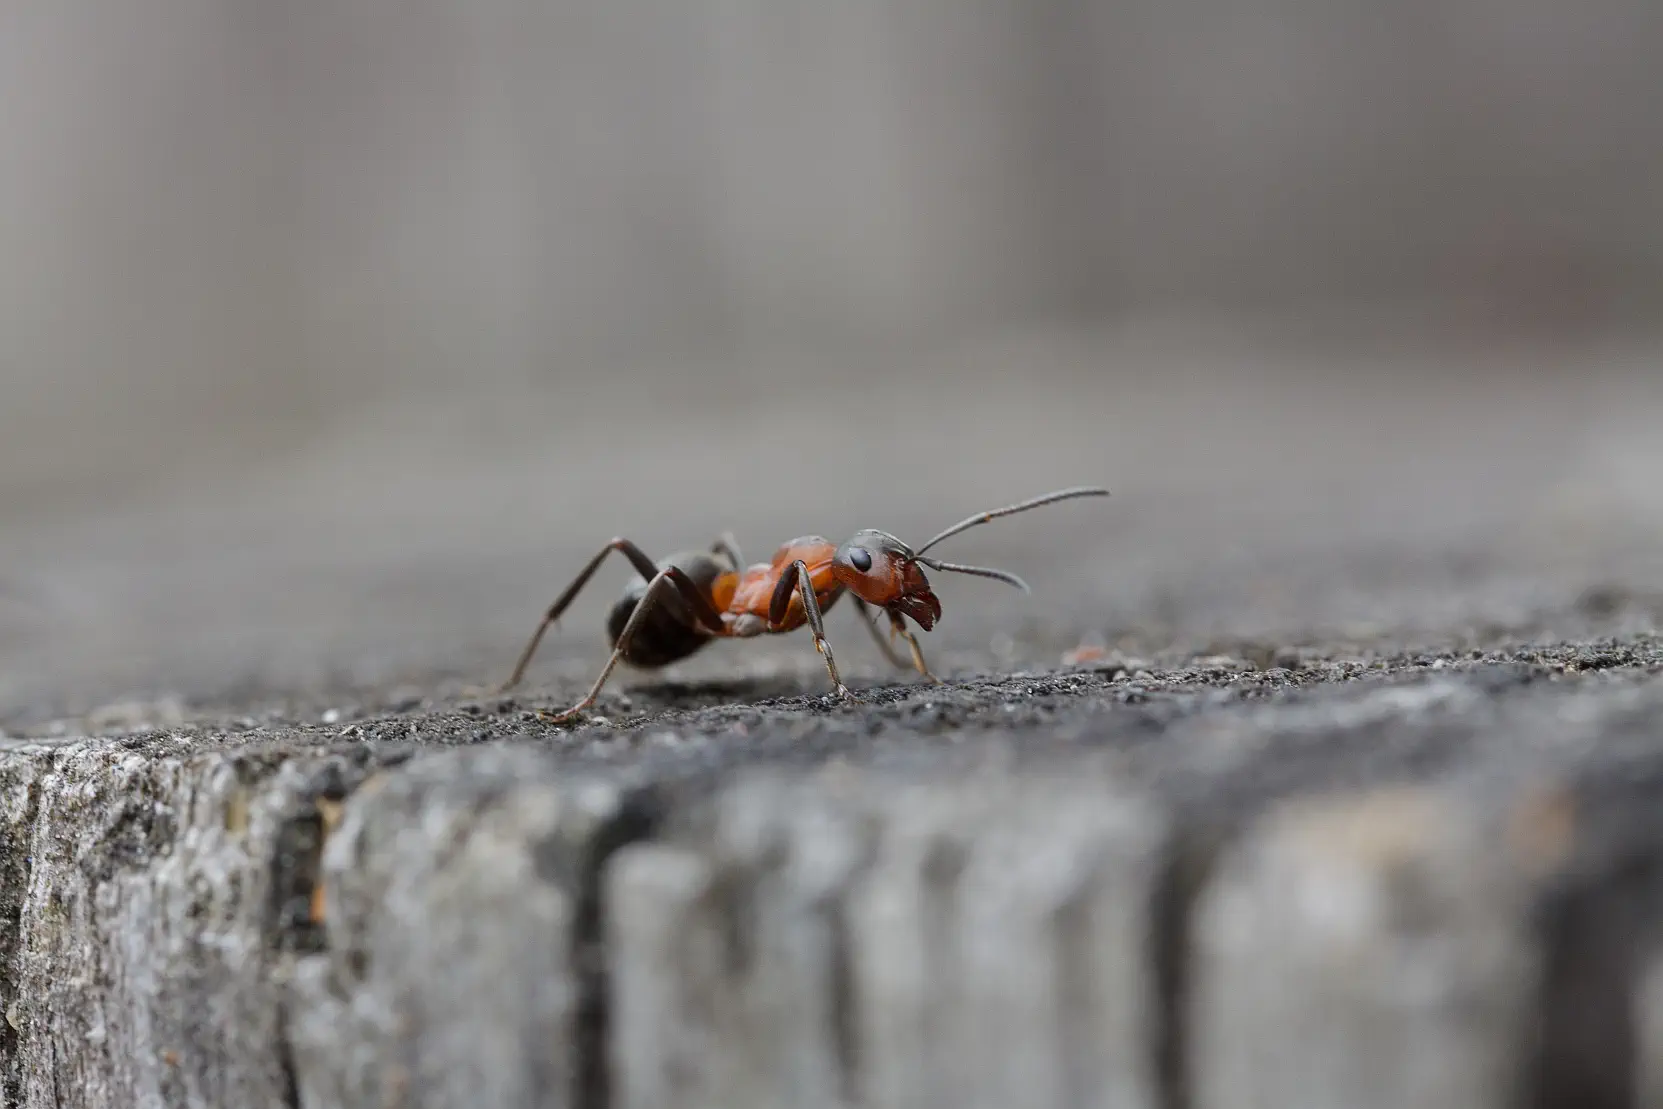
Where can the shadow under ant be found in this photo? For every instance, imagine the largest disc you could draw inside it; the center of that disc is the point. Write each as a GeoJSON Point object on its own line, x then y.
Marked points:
{"type": "Point", "coordinates": [710, 692]}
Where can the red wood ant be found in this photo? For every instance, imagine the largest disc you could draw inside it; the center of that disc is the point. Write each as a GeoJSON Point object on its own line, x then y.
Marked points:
{"type": "Point", "coordinates": [680, 603]}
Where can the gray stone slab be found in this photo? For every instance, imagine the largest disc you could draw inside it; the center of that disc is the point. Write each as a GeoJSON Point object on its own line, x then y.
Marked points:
{"type": "Point", "coordinates": [152, 893]}
{"type": "Point", "coordinates": [846, 939]}
{"type": "Point", "coordinates": [456, 969]}
{"type": "Point", "coordinates": [753, 958]}
{"type": "Point", "coordinates": [1648, 1020]}
{"type": "Point", "coordinates": [1001, 947]}
{"type": "Point", "coordinates": [1365, 951]}
{"type": "Point", "coordinates": [984, 903]}
{"type": "Point", "coordinates": [669, 954]}
{"type": "Point", "coordinates": [1059, 997]}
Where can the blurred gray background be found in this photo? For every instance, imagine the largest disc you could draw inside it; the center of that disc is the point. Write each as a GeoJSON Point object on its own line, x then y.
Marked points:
{"type": "Point", "coordinates": [334, 335]}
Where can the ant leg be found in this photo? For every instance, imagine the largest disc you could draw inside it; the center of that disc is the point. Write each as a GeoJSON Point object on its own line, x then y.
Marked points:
{"type": "Point", "coordinates": [677, 580]}
{"type": "Point", "coordinates": [797, 574]}
{"type": "Point", "coordinates": [662, 582]}
{"type": "Point", "coordinates": [899, 625]}
{"type": "Point", "coordinates": [637, 558]}
{"type": "Point", "coordinates": [704, 611]}
{"type": "Point", "coordinates": [728, 547]}
{"type": "Point", "coordinates": [871, 623]}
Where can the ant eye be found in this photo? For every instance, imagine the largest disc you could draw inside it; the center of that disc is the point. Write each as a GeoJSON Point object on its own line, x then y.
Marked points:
{"type": "Point", "coordinates": [861, 559]}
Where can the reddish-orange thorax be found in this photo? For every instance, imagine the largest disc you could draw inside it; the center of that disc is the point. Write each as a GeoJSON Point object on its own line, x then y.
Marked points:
{"type": "Point", "coordinates": [749, 593]}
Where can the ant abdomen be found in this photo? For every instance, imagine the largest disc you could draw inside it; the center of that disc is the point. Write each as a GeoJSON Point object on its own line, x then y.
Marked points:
{"type": "Point", "coordinates": [669, 632]}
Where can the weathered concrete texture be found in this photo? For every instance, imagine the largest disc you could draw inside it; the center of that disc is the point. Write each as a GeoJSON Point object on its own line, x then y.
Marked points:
{"type": "Point", "coordinates": [1364, 952]}
{"type": "Point", "coordinates": [151, 893]}
{"type": "Point", "coordinates": [758, 907]}
{"type": "Point", "coordinates": [1428, 881]}
{"type": "Point", "coordinates": [853, 941]}
{"type": "Point", "coordinates": [1648, 1020]}
{"type": "Point", "coordinates": [457, 965]}
{"type": "Point", "coordinates": [1024, 906]}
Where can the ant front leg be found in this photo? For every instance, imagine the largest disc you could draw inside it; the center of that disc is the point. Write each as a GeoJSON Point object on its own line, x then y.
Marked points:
{"type": "Point", "coordinates": [898, 623]}
{"type": "Point", "coordinates": [796, 575]}
{"type": "Point", "coordinates": [871, 623]}
{"type": "Point", "coordinates": [666, 581]}
{"type": "Point", "coordinates": [637, 558]}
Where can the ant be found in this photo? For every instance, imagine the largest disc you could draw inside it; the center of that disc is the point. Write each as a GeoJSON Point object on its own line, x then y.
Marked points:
{"type": "Point", "coordinates": [685, 601]}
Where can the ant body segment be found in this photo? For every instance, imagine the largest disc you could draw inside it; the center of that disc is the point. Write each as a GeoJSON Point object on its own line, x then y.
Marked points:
{"type": "Point", "coordinates": [681, 603]}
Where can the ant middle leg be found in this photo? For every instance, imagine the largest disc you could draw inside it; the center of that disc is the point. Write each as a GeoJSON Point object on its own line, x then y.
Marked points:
{"type": "Point", "coordinates": [637, 558]}
{"type": "Point", "coordinates": [898, 624]}
{"type": "Point", "coordinates": [669, 580]}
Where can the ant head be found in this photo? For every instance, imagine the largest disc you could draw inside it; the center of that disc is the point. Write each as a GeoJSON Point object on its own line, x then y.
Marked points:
{"type": "Point", "coordinates": [883, 571]}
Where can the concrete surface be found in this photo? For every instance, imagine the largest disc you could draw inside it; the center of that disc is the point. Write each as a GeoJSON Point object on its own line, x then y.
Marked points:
{"type": "Point", "coordinates": [1351, 804]}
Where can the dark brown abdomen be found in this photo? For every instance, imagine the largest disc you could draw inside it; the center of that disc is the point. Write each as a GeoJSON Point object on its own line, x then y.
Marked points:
{"type": "Point", "coordinates": [670, 632]}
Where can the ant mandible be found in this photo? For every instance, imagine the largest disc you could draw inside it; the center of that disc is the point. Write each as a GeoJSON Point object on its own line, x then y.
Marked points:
{"type": "Point", "coordinates": [685, 601]}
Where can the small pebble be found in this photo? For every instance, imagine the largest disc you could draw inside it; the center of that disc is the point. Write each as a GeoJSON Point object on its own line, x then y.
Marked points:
{"type": "Point", "coordinates": [1084, 653]}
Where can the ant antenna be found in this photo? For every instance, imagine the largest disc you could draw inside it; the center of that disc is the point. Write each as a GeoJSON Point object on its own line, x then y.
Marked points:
{"type": "Point", "coordinates": [980, 571]}
{"type": "Point", "coordinates": [1008, 510]}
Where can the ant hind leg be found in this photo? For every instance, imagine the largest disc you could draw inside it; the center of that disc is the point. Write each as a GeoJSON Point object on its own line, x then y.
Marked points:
{"type": "Point", "coordinates": [667, 580]}
{"type": "Point", "coordinates": [637, 558]}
